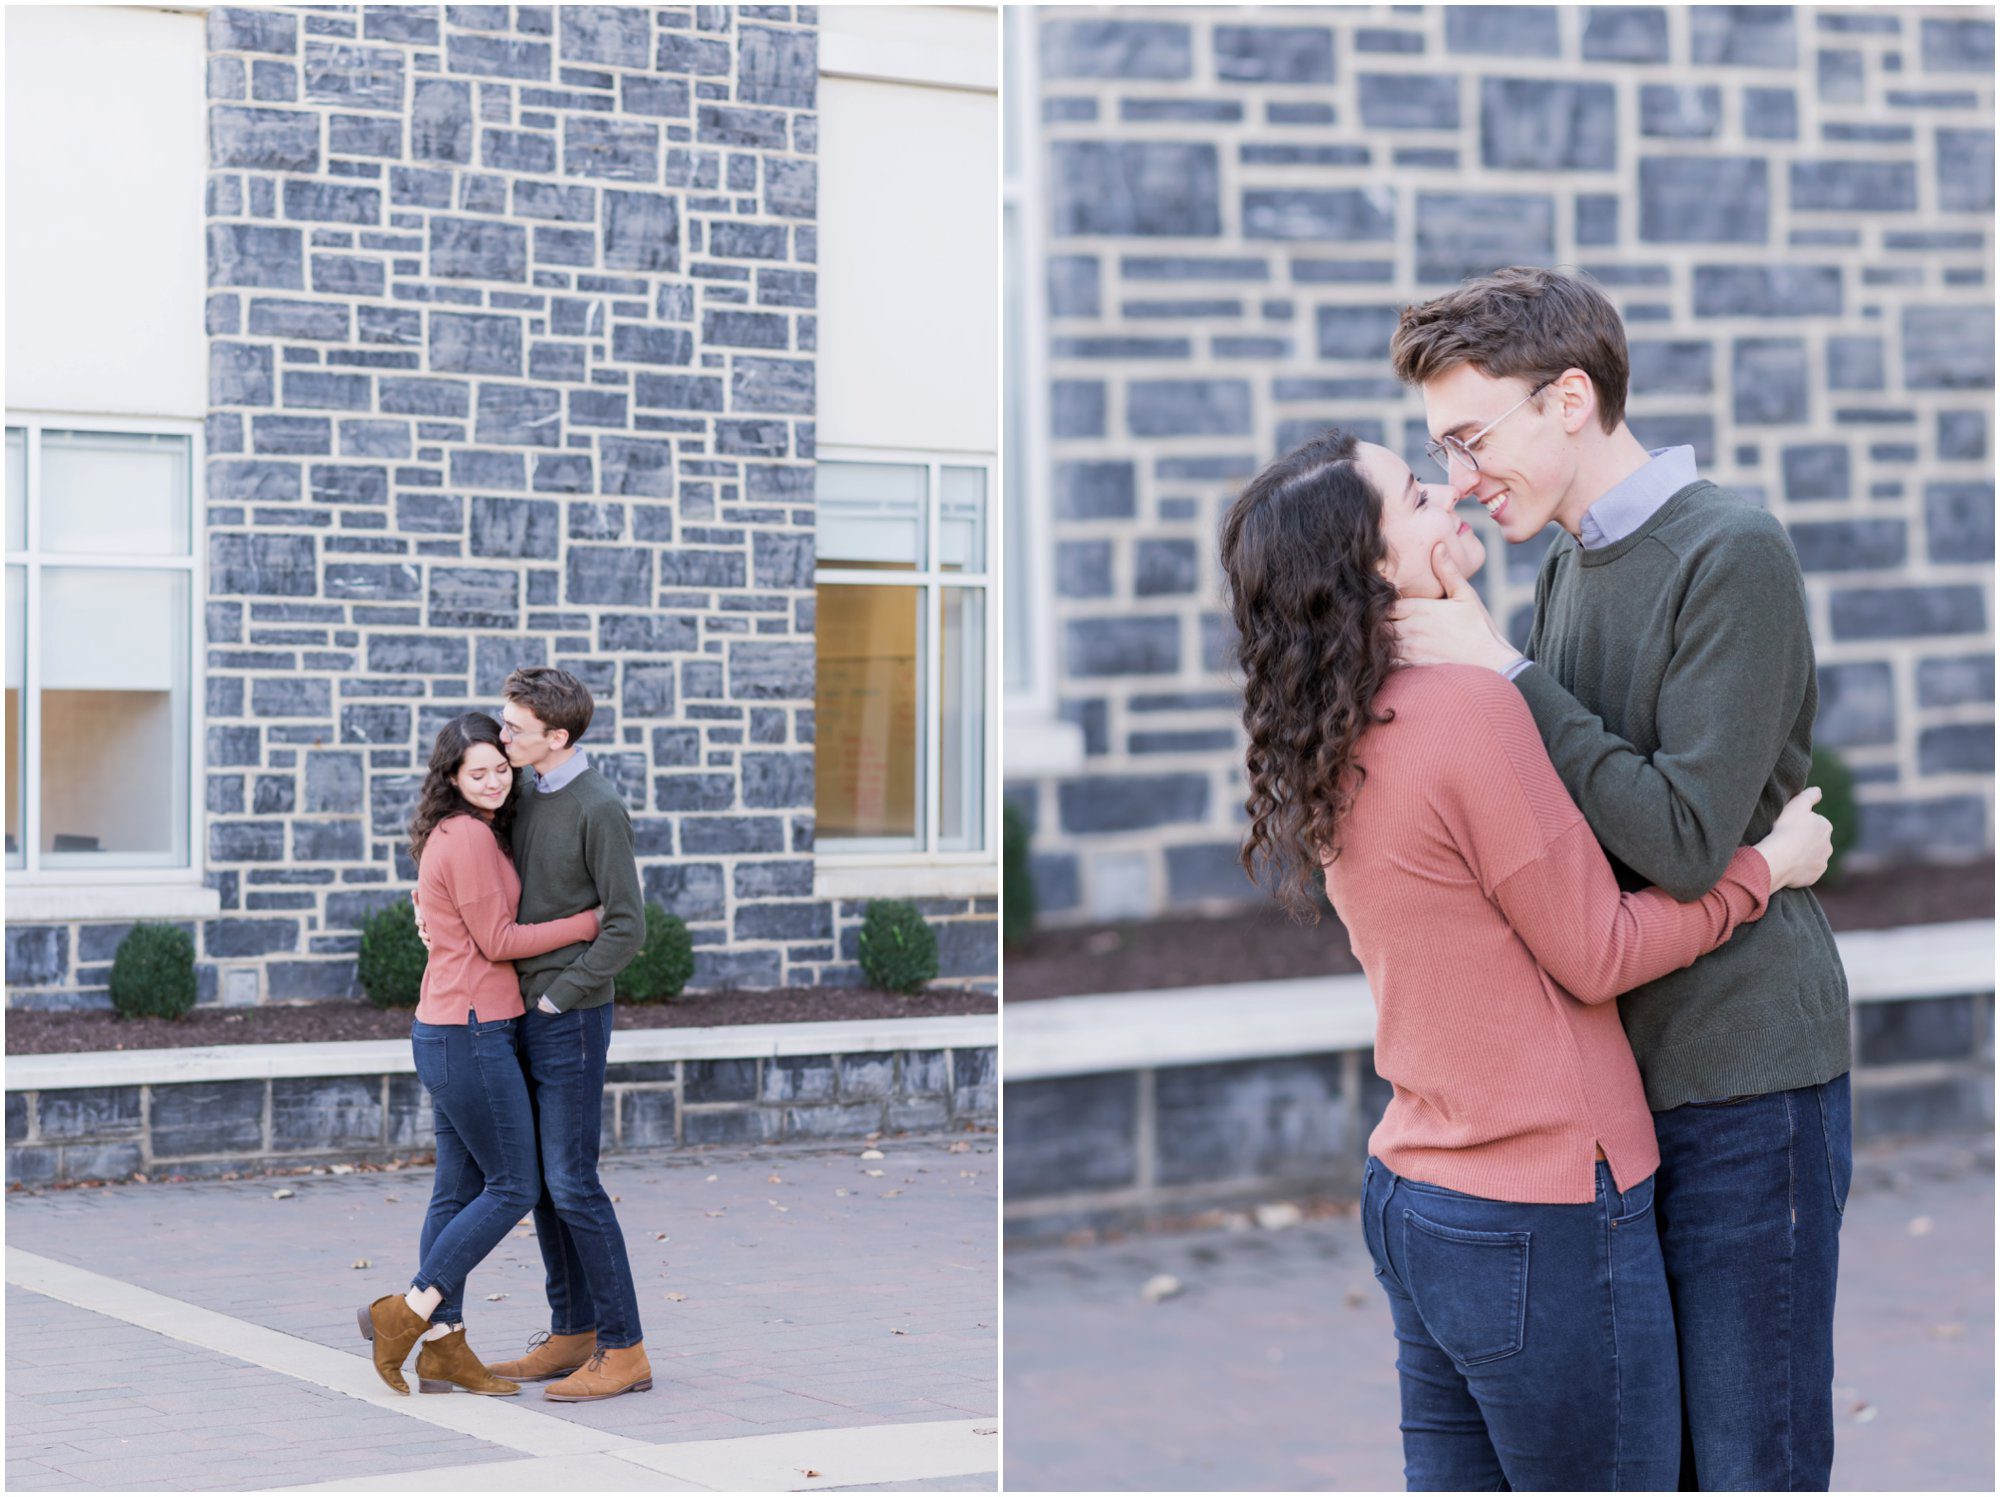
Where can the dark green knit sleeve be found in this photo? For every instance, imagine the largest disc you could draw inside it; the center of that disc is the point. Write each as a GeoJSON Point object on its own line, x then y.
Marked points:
{"type": "Point", "coordinates": [614, 870]}
{"type": "Point", "coordinates": [1730, 696]}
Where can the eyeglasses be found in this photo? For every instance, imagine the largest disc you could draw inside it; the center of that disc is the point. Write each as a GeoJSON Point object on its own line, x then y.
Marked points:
{"type": "Point", "coordinates": [1445, 450]}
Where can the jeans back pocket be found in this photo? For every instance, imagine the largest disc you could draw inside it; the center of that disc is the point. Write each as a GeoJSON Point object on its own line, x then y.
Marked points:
{"type": "Point", "coordinates": [433, 1070]}
{"type": "Point", "coordinates": [1471, 1287]}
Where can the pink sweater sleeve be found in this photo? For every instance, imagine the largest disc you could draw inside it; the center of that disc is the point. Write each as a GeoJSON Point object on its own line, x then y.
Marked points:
{"type": "Point", "coordinates": [1537, 860]}
{"type": "Point", "coordinates": [474, 880]}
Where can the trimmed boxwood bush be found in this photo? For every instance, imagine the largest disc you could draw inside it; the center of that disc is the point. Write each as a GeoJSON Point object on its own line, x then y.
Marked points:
{"type": "Point", "coordinates": [1838, 805]}
{"type": "Point", "coordinates": [664, 964]}
{"type": "Point", "coordinates": [1017, 879]}
{"type": "Point", "coordinates": [391, 965]}
{"type": "Point", "coordinates": [899, 950]}
{"type": "Point", "coordinates": [152, 973]}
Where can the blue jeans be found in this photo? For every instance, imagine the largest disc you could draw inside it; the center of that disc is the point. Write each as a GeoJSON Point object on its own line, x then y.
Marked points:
{"type": "Point", "coordinates": [486, 1178]}
{"type": "Point", "coordinates": [1536, 1343]}
{"type": "Point", "coordinates": [583, 1248]}
{"type": "Point", "coordinates": [1751, 1194]}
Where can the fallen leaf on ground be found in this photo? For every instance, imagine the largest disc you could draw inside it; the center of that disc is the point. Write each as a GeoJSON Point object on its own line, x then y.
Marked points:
{"type": "Point", "coordinates": [1160, 1286]}
{"type": "Point", "coordinates": [774, 1179]}
{"type": "Point", "coordinates": [1275, 1216]}
{"type": "Point", "coordinates": [961, 1147]}
{"type": "Point", "coordinates": [1950, 1331]}
{"type": "Point", "coordinates": [659, 1237]}
{"type": "Point", "coordinates": [843, 1191]}
{"type": "Point", "coordinates": [894, 1332]}
{"type": "Point", "coordinates": [675, 1295]}
{"type": "Point", "coordinates": [711, 1179]}
{"type": "Point", "coordinates": [389, 1198]}
{"type": "Point", "coordinates": [873, 1154]}
{"type": "Point", "coordinates": [807, 1471]}
{"type": "Point", "coordinates": [888, 1193]}
{"type": "Point", "coordinates": [343, 1169]}
{"type": "Point", "coordinates": [711, 1213]}
{"type": "Point", "coordinates": [871, 1174]}
{"type": "Point", "coordinates": [281, 1195]}
{"type": "Point", "coordinates": [1355, 1299]}
{"type": "Point", "coordinates": [1866, 1413]}
{"type": "Point", "coordinates": [362, 1263]}
{"type": "Point", "coordinates": [491, 1297]}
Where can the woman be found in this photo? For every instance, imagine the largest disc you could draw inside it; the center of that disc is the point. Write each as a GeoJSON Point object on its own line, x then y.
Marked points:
{"type": "Point", "coordinates": [463, 1038]}
{"type": "Point", "coordinates": [1507, 1199]}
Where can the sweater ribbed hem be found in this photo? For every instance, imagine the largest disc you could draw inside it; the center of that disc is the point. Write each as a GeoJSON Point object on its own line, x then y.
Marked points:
{"type": "Point", "coordinates": [1752, 1063]}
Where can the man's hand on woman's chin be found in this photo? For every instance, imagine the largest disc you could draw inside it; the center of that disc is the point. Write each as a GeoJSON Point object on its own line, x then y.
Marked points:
{"type": "Point", "coordinates": [1453, 630]}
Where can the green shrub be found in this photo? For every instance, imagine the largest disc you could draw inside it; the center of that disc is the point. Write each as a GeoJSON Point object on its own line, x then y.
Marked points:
{"type": "Point", "coordinates": [899, 950]}
{"type": "Point", "coordinates": [1838, 805]}
{"type": "Point", "coordinates": [391, 967]}
{"type": "Point", "coordinates": [664, 964]}
{"type": "Point", "coordinates": [1017, 879]}
{"type": "Point", "coordinates": [152, 974]}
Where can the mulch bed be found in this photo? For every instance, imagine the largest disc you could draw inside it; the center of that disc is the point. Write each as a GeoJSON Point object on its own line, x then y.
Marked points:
{"type": "Point", "coordinates": [31, 1033]}
{"type": "Point", "coordinates": [1262, 945]}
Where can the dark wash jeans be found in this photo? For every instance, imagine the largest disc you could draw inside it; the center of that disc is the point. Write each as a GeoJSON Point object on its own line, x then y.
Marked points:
{"type": "Point", "coordinates": [486, 1176]}
{"type": "Point", "coordinates": [1536, 1343]}
{"type": "Point", "coordinates": [583, 1248]}
{"type": "Point", "coordinates": [1751, 1194]}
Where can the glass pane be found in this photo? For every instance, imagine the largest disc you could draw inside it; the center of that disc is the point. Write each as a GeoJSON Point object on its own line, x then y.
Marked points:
{"type": "Point", "coordinates": [871, 515]}
{"type": "Point", "coordinates": [867, 705]}
{"type": "Point", "coordinates": [115, 492]}
{"type": "Point", "coordinates": [17, 761]}
{"type": "Point", "coordinates": [961, 726]}
{"type": "Point", "coordinates": [962, 520]}
{"type": "Point", "coordinates": [17, 489]}
{"type": "Point", "coordinates": [114, 717]}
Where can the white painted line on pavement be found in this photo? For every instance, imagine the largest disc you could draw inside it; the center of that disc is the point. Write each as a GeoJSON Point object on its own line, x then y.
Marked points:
{"type": "Point", "coordinates": [860, 1455]}
{"type": "Point", "coordinates": [563, 1456]}
{"type": "Point", "coordinates": [857, 1455]}
{"type": "Point", "coordinates": [520, 1429]}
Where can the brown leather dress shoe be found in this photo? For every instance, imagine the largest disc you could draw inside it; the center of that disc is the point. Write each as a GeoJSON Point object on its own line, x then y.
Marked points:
{"type": "Point", "coordinates": [394, 1328]}
{"type": "Point", "coordinates": [608, 1373]}
{"type": "Point", "coordinates": [448, 1362]}
{"type": "Point", "coordinates": [548, 1356]}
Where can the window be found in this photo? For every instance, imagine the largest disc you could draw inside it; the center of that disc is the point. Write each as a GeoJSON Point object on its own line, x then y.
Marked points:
{"type": "Point", "coordinates": [101, 596]}
{"type": "Point", "coordinates": [903, 549]}
{"type": "Point", "coordinates": [1038, 742]}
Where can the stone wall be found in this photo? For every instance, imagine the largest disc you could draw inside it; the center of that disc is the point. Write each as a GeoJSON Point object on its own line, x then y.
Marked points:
{"type": "Point", "coordinates": [1792, 207]}
{"type": "Point", "coordinates": [207, 1128]}
{"type": "Point", "coordinates": [512, 351]}
{"type": "Point", "coordinates": [1122, 1146]}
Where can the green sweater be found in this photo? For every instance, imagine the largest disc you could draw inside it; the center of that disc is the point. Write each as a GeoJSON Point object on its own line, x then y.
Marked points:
{"type": "Point", "coordinates": [573, 849]}
{"type": "Point", "coordinates": [1673, 683]}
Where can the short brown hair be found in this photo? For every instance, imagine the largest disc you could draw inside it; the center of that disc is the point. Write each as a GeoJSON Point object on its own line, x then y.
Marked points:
{"type": "Point", "coordinates": [556, 697]}
{"type": "Point", "coordinates": [1523, 321]}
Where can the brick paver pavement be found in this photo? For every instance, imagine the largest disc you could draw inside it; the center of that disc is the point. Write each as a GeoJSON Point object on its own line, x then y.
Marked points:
{"type": "Point", "coordinates": [781, 1289]}
{"type": "Point", "coordinates": [1272, 1368]}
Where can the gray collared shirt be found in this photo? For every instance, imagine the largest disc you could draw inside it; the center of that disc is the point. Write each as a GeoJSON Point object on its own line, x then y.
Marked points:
{"type": "Point", "coordinates": [562, 774]}
{"type": "Point", "coordinates": [1627, 505]}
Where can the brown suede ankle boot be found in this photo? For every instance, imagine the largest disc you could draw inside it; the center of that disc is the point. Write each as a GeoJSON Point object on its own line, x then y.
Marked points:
{"type": "Point", "coordinates": [548, 1356]}
{"type": "Point", "coordinates": [609, 1372]}
{"type": "Point", "coordinates": [394, 1328]}
{"type": "Point", "coordinates": [448, 1362]}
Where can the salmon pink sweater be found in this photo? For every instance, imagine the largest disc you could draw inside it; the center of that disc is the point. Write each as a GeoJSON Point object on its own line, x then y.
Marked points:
{"type": "Point", "coordinates": [469, 891]}
{"type": "Point", "coordinates": [1494, 936]}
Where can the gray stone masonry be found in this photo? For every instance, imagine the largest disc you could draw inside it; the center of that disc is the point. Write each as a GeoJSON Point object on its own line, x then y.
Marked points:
{"type": "Point", "coordinates": [1122, 1145]}
{"type": "Point", "coordinates": [1791, 206]}
{"type": "Point", "coordinates": [513, 332]}
{"type": "Point", "coordinates": [207, 1128]}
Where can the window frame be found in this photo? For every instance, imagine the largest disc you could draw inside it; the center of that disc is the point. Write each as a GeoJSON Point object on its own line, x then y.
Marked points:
{"type": "Point", "coordinates": [1039, 741]}
{"type": "Point", "coordinates": [843, 855]}
{"type": "Point", "coordinates": [152, 888]}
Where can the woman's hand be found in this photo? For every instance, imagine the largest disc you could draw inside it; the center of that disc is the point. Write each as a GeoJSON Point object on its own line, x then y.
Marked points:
{"type": "Point", "coordinates": [1799, 845]}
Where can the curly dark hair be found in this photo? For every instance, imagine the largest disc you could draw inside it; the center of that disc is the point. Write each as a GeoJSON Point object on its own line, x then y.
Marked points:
{"type": "Point", "coordinates": [1300, 551]}
{"type": "Point", "coordinates": [439, 799]}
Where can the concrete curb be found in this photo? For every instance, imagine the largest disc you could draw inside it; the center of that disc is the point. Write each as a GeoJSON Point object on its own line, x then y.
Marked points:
{"type": "Point", "coordinates": [392, 1057]}
{"type": "Point", "coordinates": [1308, 1015]}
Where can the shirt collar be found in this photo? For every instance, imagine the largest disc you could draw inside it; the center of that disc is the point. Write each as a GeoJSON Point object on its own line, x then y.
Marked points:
{"type": "Point", "coordinates": [559, 777]}
{"type": "Point", "coordinates": [1629, 504]}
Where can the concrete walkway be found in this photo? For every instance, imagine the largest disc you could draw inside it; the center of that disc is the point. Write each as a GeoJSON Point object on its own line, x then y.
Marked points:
{"type": "Point", "coordinates": [1272, 1367]}
{"type": "Point", "coordinates": [814, 1321]}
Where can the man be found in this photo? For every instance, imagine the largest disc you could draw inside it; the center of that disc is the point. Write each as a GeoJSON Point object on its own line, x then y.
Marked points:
{"type": "Point", "coordinates": [572, 845]}
{"type": "Point", "coordinates": [1670, 671]}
